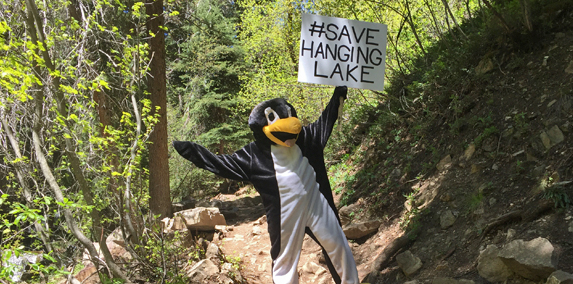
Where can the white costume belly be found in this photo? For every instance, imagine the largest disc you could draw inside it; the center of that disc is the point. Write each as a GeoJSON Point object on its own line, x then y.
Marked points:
{"type": "Point", "coordinates": [296, 181]}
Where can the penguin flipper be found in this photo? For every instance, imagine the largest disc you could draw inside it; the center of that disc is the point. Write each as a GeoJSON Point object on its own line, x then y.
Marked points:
{"type": "Point", "coordinates": [235, 166]}
{"type": "Point", "coordinates": [321, 129]}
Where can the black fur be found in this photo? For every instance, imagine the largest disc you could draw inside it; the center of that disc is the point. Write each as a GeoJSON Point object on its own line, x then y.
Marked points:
{"type": "Point", "coordinates": [257, 119]}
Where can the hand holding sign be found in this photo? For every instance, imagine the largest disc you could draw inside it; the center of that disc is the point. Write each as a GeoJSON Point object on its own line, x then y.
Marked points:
{"type": "Point", "coordinates": [335, 51]}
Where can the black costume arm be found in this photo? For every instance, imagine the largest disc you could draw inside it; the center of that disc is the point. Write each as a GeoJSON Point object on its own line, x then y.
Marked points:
{"type": "Point", "coordinates": [322, 128]}
{"type": "Point", "coordinates": [235, 166]}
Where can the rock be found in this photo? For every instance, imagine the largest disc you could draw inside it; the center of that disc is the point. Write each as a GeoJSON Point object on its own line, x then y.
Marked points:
{"type": "Point", "coordinates": [86, 258]}
{"type": "Point", "coordinates": [18, 263]}
{"type": "Point", "coordinates": [569, 68]}
{"type": "Point", "coordinates": [538, 171]}
{"type": "Point", "coordinates": [359, 230]}
{"type": "Point", "coordinates": [532, 260]}
{"type": "Point", "coordinates": [117, 251]}
{"type": "Point", "coordinates": [313, 268]}
{"type": "Point", "coordinates": [230, 213]}
{"type": "Point", "coordinates": [408, 262]}
{"type": "Point", "coordinates": [510, 234]}
{"type": "Point", "coordinates": [545, 140]}
{"type": "Point", "coordinates": [347, 211]}
{"type": "Point", "coordinates": [176, 223]}
{"type": "Point", "coordinates": [256, 231]}
{"type": "Point", "coordinates": [446, 197]}
{"type": "Point", "coordinates": [116, 237]}
{"type": "Point", "coordinates": [447, 280]}
{"type": "Point", "coordinates": [233, 272]}
{"type": "Point", "coordinates": [447, 219]}
{"type": "Point", "coordinates": [201, 271]}
{"type": "Point", "coordinates": [489, 144]}
{"type": "Point", "coordinates": [552, 137]}
{"type": "Point", "coordinates": [261, 220]}
{"type": "Point", "coordinates": [469, 152]}
{"type": "Point", "coordinates": [88, 275]}
{"type": "Point", "coordinates": [445, 163]}
{"type": "Point", "coordinates": [184, 204]}
{"type": "Point", "coordinates": [202, 218]}
{"type": "Point", "coordinates": [213, 252]}
{"type": "Point", "coordinates": [484, 66]}
{"type": "Point", "coordinates": [491, 267]}
{"type": "Point", "coordinates": [475, 169]}
{"type": "Point", "coordinates": [560, 277]}
{"type": "Point", "coordinates": [555, 135]}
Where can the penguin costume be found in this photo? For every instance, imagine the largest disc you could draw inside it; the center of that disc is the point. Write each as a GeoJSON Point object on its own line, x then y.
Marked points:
{"type": "Point", "coordinates": [286, 166]}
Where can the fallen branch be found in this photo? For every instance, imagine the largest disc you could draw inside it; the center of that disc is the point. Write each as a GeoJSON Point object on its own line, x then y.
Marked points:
{"type": "Point", "coordinates": [534, 209]}
{"type": "Point", "coordinates": [384, 258]}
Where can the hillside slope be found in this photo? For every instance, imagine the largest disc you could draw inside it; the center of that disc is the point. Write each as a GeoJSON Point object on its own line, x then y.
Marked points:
{"type": "Point", "coordinates": [487, 160]}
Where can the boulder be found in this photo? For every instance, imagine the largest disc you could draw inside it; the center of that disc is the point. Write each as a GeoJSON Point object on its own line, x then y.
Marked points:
{"type": "Point", "coordinates": [555, 135]}
{"type": "Point", "coordinates": [88, 275]}
{"type": "Point", "coordinates": [116, 237]}
{"type": "Point", "coordinates": [447, 219]}
{"type": "Point", "coordinates": [485, 65]}
{"type": "Point", "coordinates": [560, 277]}
{"type": "Point", "coordinates": [534, 260]}
{"type": "Point", "coordinates": [469, 152]}
{"type": "Point", "coordinates": [362, 229]}
{"type": "Point", "coordinates": [19, 263]}
{"type": "Point", "coordinates": [408, 262]}
{"type": "Point", "coordinates": [491, 267]}
{"type": "Point", "coordinates": [346, 212]}
{"type": "Point", "coordinates": [201, 271]}
{"type": "Point", "coordinates": [444, 163]}
{"type": "Point", "coordinates": [213, 252]}
{"type": "Point", "coordinates": [202, 218]}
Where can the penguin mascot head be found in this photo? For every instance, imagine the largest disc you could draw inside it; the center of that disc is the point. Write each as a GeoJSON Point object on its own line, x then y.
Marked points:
{"type": "Point", "coordinates": [274, 122]}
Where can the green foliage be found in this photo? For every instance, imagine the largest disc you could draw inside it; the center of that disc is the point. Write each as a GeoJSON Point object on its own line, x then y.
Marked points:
{"type": "Point", "coordinates": [558, 194]}
{"type": "Point", "coordinates": [488, 132]}
{"type": "Point", "coordinates": [410, 220]}
{"type": "Point", "coordinates": [15, 242]}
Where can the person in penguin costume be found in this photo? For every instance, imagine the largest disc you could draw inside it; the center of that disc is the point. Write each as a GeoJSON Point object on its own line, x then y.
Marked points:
{"type": "Point", "coordinates": [285, 164]}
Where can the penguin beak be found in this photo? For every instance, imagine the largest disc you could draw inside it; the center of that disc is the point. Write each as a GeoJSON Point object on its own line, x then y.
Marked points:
{"type": "Point", "coordinates": [284, 131]}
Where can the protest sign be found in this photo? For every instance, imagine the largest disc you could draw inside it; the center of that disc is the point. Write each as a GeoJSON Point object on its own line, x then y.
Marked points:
{"type": "Point", "coordinates": [336, 51]}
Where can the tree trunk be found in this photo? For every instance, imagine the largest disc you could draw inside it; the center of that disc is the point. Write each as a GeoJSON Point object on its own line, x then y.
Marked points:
{"type": "Point", "coordinates": [498, 15]}
{"type": "Point", "coordinates": [159, 193]}
{"type": "Point", "coordinates": [526, 14]}
{"type": "Point", "coordinates": [410, 21]}
{"type": "Point", "coordinates": [468, 8]}
{"type": "Point", "coordinates": [448, 10]}
{"type": "Point", "coordinates": [36, 33]}
{"type": "Point", "coordinates": [434, 20]}
{"type": "Point", "coordinates": [20, 173]}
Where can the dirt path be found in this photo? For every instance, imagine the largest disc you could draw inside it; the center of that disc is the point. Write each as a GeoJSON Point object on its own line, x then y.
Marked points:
{"type": "Point", "coordinates": [247, 240]}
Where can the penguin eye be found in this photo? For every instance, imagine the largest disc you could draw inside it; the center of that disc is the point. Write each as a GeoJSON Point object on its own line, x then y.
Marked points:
{"type": "Point", "coordinates": [271, 115]}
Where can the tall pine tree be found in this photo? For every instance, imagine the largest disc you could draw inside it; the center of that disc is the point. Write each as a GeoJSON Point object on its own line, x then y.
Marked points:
{"type": "Point", "coordinates": [205, 76]}
{"type": "Point", "coordinates": [206, 63]}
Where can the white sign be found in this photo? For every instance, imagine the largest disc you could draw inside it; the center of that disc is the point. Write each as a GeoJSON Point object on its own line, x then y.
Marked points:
{"type": "Point", "coordinates": [335, 51]}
